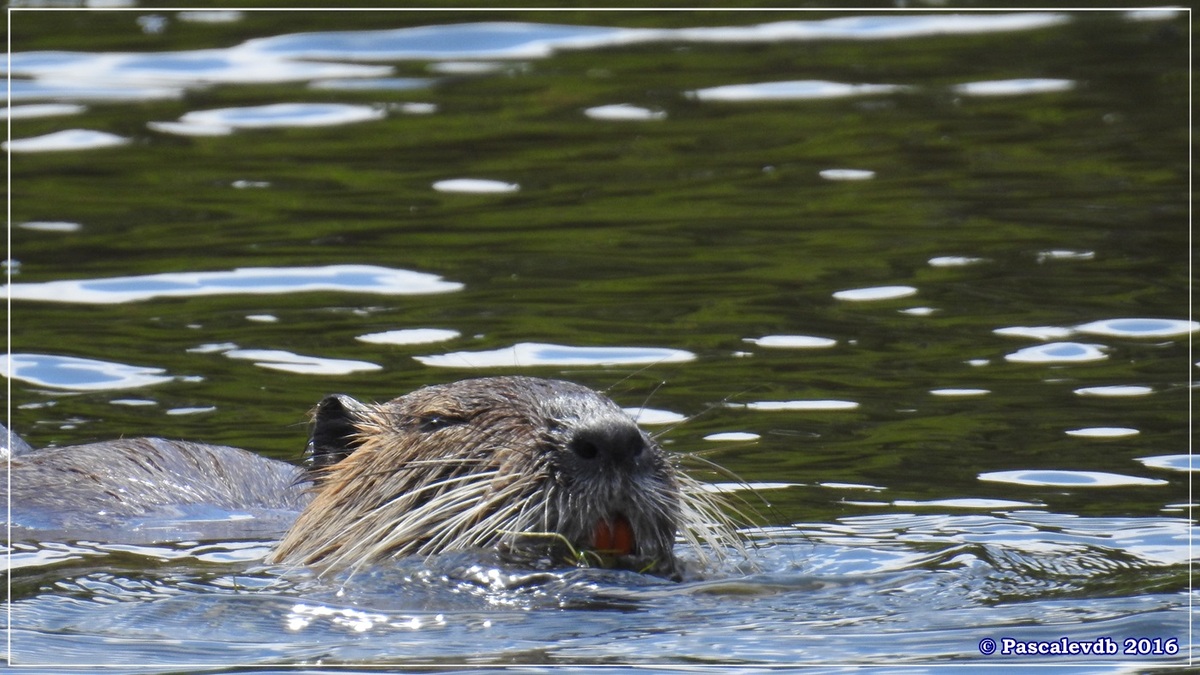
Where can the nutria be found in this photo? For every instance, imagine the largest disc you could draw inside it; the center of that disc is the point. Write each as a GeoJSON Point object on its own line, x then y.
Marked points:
{"type": "Point", "coordinates": [540, 470]}
{"type": "Point", "coordinates": [141, 490]}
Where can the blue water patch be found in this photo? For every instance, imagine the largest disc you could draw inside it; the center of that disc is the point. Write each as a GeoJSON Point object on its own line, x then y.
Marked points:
{"type": "Point", "coordinates": [249, 280]}
{"type": "Point", "coordinates": [846, 174]}
{"type": "Point", "coordinates": [79, 374]}
{"type": "Point", "coordinates": [279, 115]}
{"type": "Point", "coordinates": [1064, 254]}
{"type": "Point", "coordinates": [187, 64]}
{"type": "Point", "coordinates": [136, 285]}
{"type": "Point", "coordinates": [954, 261]}
{"type": "Point", "coordinates": [792, 341]}
{"type": "Point", "coordinates": [1140, 328]}
{"type": "Point", "coordinates": [732, 436]}
{"type": "Point", "coordinates": [414, 108]}
{"type": "Point", "coordinates": [624, 112]}
{"type": "Point", "coordinates": [964, 503]}
{"type": "Point", "coordinates": [68, 139]}
{"type": "Point", "coordinates": [791, 91]}
{"type": "Point", "coordinates": [196, 410]}
{"type": "Point", "coordinates": [813, 404]}
{"type": "Point", "coordinates": [1056, 478]}
{"type": "Point", "coordinates": [374, 84]}
{"type": "Point", "coordinates": [292, 58]}
{"type": "Point", "coordinates": [1116, 390]}
{"type": "Point", "coordinates": [1015, 87]}
{"type": "Point", "coordinates": [529, 354]}
{"type": "Point", "coordinates": [1058, 352]}
{"type": "Point", "coordinates": [1036, 332]}
{"type": "Point", "coordinates": [190, 129]}
{"type": "Point", "coordinates": [51, 226]}
{"type": "Point", "coordinates": [874, 293]}
{"type": "Point", "coordinates": [1103, 432]}
{"type": "Point", "coordinates": [475, 67]}
{"type": "Point", "coordinates": [25, 62]}
{"type": "Point", "coordinates": [87, 90]}
{"type": "Point", "coordinates": [278, 359]}
{"type": "Point", "coordinates": [285, 115]}
{"type": "Point", "coordinates": [457, 41]}
{"type": "Point", "coordinates": [1171, 462]}
{"type": "Point", "coordinates": [918, 25]}
{"type": "Point", "coordinates": [182, 68]}
{"type": "Point", "coordinates": [508, 40]}
{"type": "Point", "coordinates": [41, 110]}
{"type": "Point", "coordinates": [410, 336]}
{"type": "Point", "coordinates": [475, 186]}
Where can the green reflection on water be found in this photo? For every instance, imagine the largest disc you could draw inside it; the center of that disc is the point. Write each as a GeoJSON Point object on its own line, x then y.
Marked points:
{"type": "Point", "coordinates": [694, 232]}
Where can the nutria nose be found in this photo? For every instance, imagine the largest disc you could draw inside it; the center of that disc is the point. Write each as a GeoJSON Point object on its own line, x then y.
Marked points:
{"type": "Point", "coordinates": [609, 441]}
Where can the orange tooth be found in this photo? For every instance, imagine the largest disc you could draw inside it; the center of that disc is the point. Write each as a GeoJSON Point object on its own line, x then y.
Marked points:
{"type": "Point", "coordinates": [615, 537]}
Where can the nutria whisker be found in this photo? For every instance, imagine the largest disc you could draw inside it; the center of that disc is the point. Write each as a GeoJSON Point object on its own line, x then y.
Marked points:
{"type": "Point", "coordinates": [646, 400]}
{"type": "Point", "coordinates": [750, 514]}
{"type": "Point", "coordinates": [403, 541]}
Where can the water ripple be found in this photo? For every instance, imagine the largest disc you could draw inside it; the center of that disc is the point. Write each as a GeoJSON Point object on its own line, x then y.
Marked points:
{"type": "Point", "coordinates": [247, 280]}
{"type": "Point", "coordinates": [530, 354]}
{"type": "Point", "coordinates": [278, 359]}
{"type": "Point", "coordinates": [79, 374]}
{"type": "Point", "coordinates": [1058, 478]}
{"type": "Point", "coordinates": [70, 139]}
{"type": "Point", "coordinates": [1058, 352]}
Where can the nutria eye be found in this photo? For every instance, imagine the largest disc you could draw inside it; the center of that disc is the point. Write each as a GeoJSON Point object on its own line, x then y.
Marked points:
{"type": "Point", "coordinates": [437, 422]}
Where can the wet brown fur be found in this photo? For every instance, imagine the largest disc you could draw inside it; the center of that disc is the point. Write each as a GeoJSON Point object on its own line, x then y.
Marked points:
{"type": "Point", "coordinates": [536, 469]}
{"type": "Point", "coordinates": [496, 462]}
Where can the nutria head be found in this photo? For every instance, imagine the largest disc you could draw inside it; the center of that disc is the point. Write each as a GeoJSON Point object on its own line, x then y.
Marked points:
{"type": "Point", "coordinates": [539, 469]}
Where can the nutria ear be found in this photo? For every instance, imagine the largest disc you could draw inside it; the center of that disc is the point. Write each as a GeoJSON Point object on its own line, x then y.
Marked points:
{"type": "Point", "coordinates": [334, 431]}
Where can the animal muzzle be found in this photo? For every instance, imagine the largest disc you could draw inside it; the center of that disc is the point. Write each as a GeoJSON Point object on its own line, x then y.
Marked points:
{"type": "Point", "coordinates": [614, 536]}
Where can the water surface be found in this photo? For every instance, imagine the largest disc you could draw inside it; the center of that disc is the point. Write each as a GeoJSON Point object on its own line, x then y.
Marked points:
{"type": "Point", "coordinates": [903, 275]}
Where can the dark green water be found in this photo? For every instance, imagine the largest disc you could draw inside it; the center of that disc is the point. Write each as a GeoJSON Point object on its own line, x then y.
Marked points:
{"type": "Point", "coordinates": [697, 232]}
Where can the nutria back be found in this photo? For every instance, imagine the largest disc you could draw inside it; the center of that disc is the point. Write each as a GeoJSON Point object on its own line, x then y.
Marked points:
{"type": "Point", "coordinates": [97, 488]}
